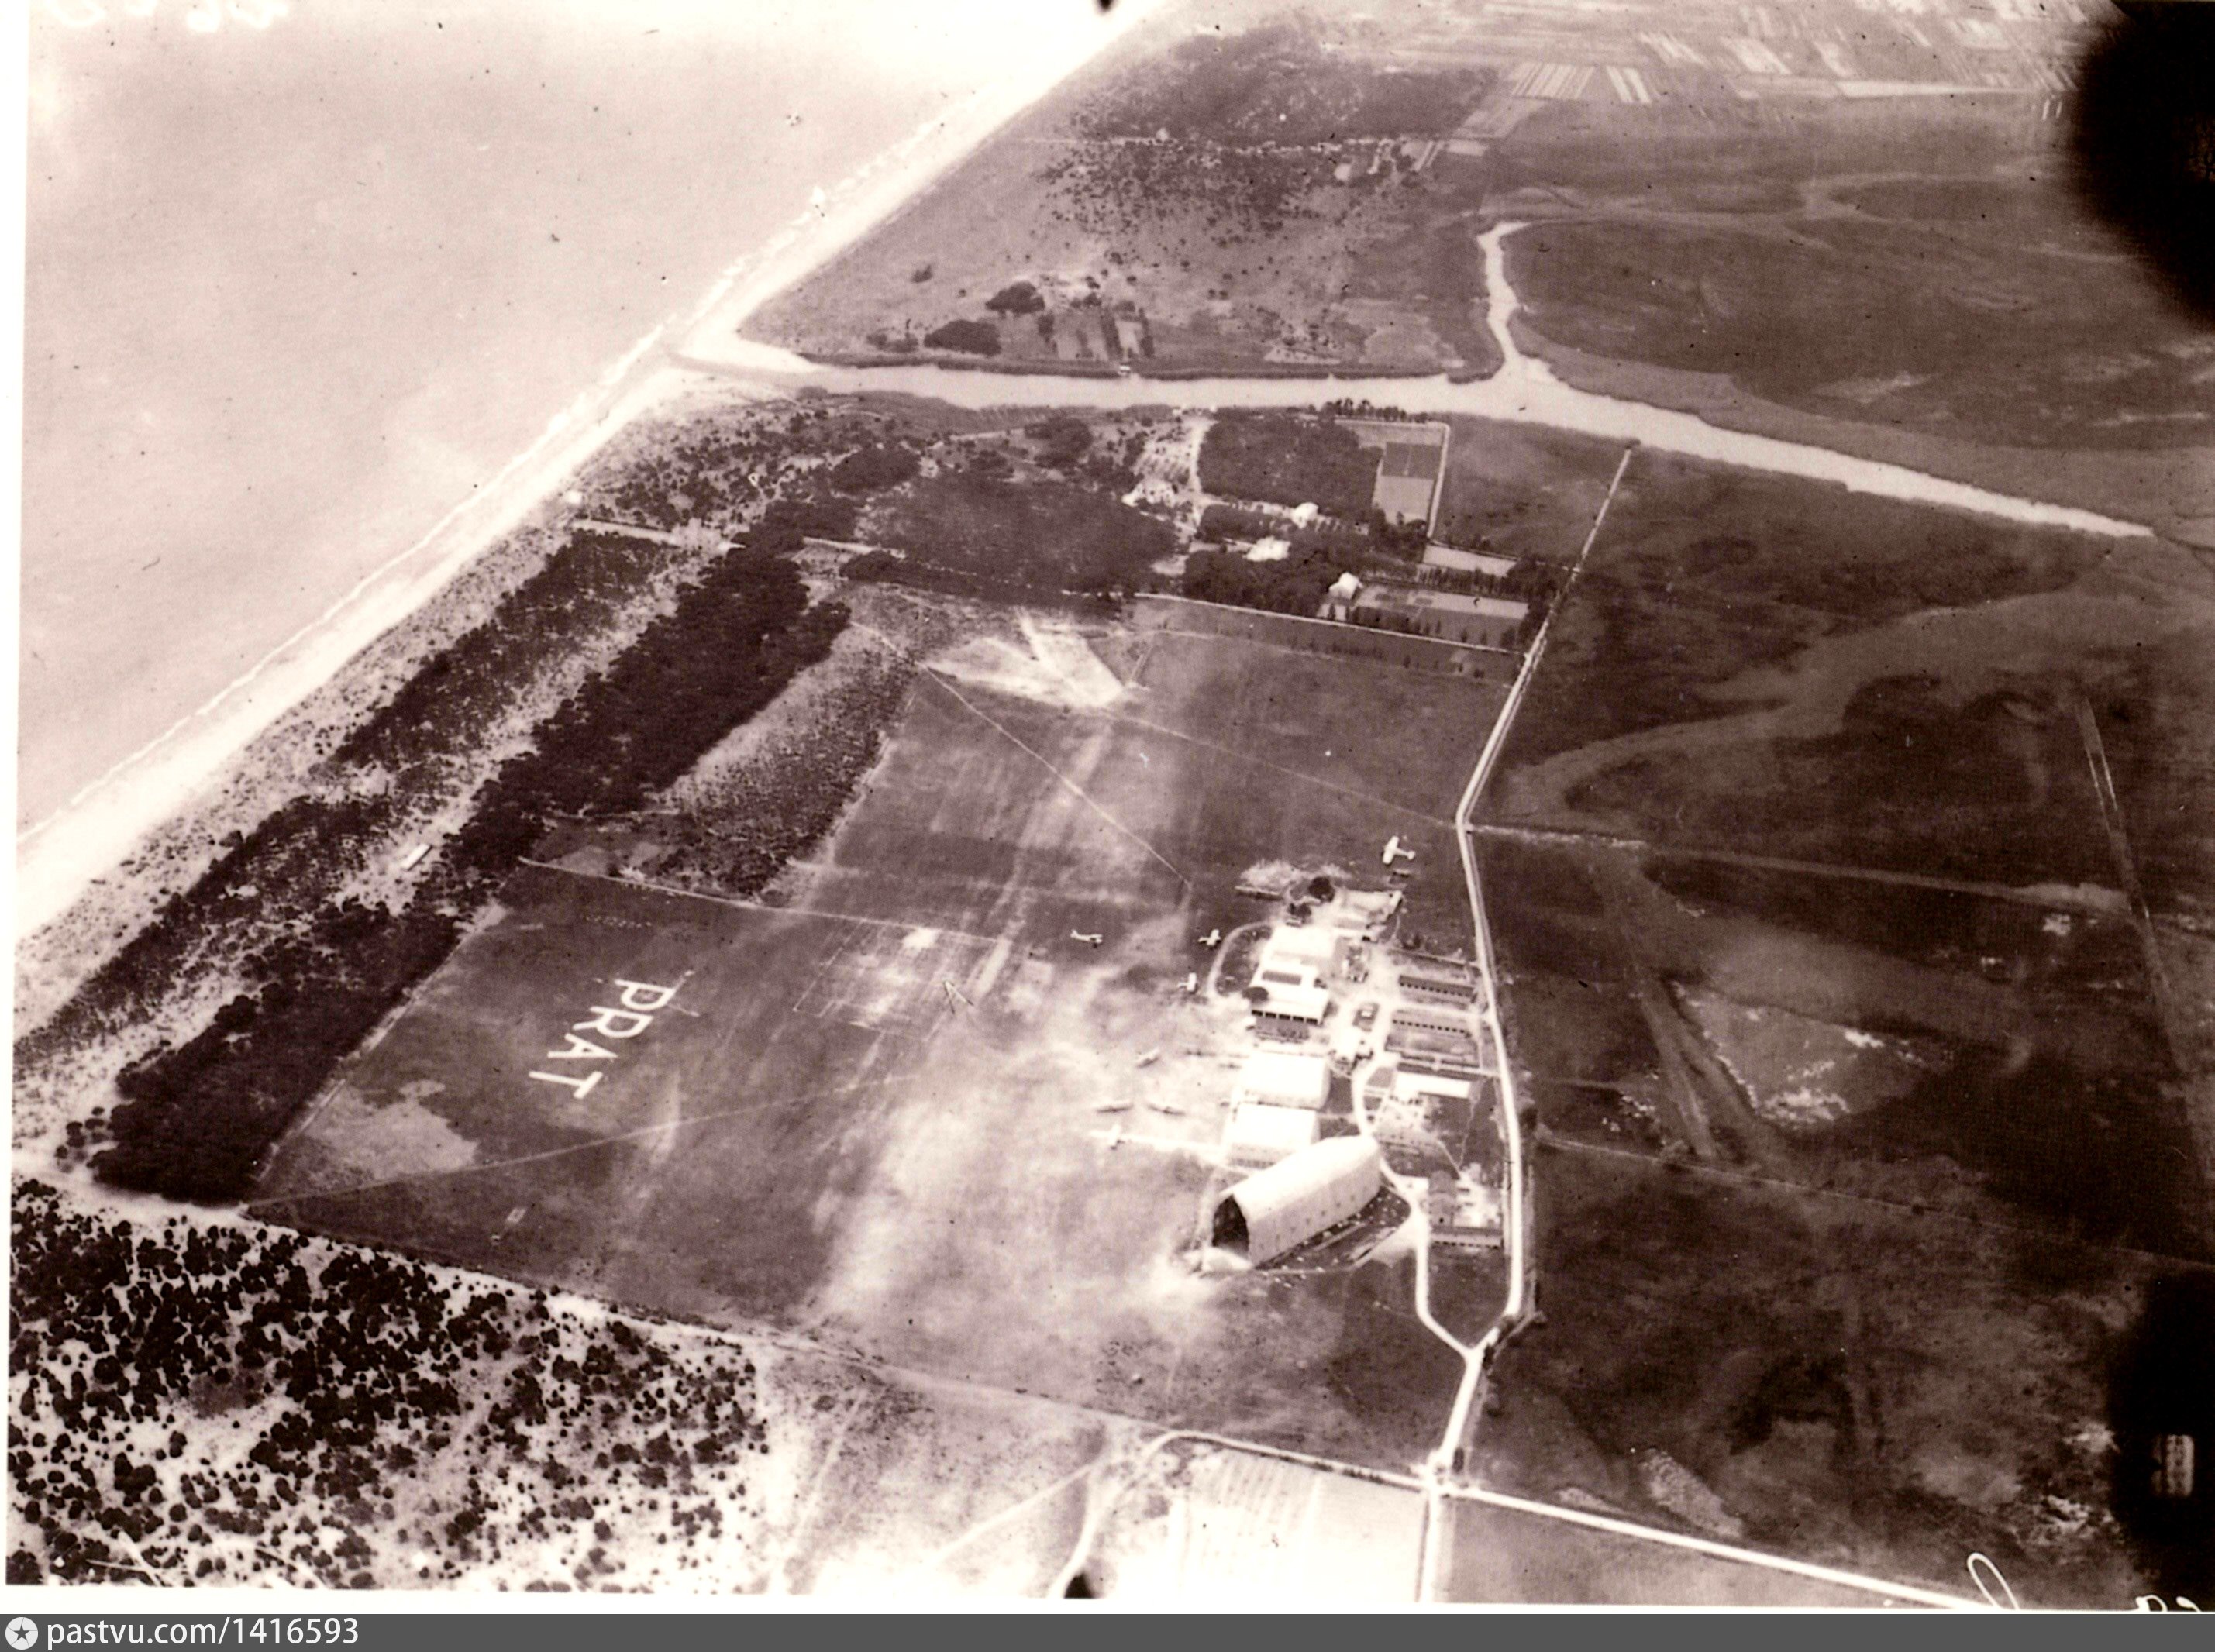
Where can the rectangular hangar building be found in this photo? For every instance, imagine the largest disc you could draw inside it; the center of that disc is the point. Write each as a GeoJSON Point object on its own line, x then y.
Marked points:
{"type": "Point", "coordinates": [1275, 1210]}
{"type": "Point", "coordinates": [1276, 1078]}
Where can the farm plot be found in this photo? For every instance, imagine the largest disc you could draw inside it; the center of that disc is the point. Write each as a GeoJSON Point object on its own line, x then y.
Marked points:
{"type": "Point", "coordinates": [913, 1110]}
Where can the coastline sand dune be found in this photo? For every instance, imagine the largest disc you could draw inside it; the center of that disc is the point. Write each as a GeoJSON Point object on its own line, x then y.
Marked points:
{"type": "Point", "coordinates": [59, 859]}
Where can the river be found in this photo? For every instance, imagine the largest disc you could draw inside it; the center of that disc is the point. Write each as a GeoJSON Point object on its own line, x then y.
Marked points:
{"type": "Point", "coordinates": [1524, 391]}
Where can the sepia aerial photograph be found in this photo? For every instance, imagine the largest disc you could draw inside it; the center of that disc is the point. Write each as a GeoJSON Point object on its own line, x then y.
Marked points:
{"type": "Point", "coordinates": [1254, 805]}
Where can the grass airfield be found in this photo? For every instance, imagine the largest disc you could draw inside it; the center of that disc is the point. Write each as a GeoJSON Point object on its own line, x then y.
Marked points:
{"type": "Point", "coordinates": [872, 1114]}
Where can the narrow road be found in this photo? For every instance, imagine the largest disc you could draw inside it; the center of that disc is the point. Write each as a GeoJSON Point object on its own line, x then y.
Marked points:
{"type": "Point", "coordinates": [1515, 1218]}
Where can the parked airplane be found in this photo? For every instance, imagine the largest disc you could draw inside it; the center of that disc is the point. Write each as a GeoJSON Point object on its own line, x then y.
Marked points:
{"type": "Point", "coordinates": [1089, 940]}
{"type": "Point", "coordinates": [1394, 852]}
{"type": "Point", "coordinates": [1212, 938]}
{"type": "Point", "coordinates": [1192, 982]}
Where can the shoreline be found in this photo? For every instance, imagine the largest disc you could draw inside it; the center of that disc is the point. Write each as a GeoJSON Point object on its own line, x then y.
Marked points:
{"type": "Point", "coordinates": [63, 857]}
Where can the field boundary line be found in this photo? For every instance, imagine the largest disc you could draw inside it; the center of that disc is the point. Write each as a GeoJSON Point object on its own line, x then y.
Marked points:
{"type": "Point", "coordinates": [666, 1126]}
{"type": "Point", "coordinates": [1081, 794]}
{"type": "Point", "coordinates": [740, 905]}
{"type": "Point", "coordinates": [2017, 893]}
{"type": "Point", "coordinates": [1476, 1359]}
{"type": "Point", "coordinates": [1919, 1594]}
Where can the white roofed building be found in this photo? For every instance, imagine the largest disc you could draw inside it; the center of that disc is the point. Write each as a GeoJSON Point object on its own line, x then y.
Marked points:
{"type": "Point", "coordinates": [1279, 1077]}
{"type": "Point", "coordinates": [1275, 1210]}
{"type": "Point", "coordinates": [1261, 1134]}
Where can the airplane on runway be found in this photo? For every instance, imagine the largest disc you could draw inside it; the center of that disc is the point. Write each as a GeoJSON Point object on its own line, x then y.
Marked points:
{"type": "Point", "coordinates": [1089, 940]}
{"type": "Point", "coordinates": [1394, 852]}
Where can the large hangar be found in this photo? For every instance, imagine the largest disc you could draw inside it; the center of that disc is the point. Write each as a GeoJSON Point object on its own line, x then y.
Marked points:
{"type": "Point", "coordinates": [1296, 1198]}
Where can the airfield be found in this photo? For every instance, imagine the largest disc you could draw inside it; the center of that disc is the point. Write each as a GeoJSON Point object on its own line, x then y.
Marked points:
{"type": "Point", "coordinates": [912, 1112]}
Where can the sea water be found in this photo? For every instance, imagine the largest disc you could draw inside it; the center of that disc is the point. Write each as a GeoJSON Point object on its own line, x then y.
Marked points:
{"type": "Point", "coordinates": [301, 278]}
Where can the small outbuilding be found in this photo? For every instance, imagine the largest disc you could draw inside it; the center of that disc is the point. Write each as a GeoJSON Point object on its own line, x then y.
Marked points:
{"type": "Point", "coordinates": [1294, 1199]}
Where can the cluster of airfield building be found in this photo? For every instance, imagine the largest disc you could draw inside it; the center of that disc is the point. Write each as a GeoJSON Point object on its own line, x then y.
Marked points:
{"type": "Point", "coordinates": [1361, 1067]}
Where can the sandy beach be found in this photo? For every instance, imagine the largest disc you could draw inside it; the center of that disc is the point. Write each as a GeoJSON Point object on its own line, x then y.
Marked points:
{"type": "Point", "coordinates": [64, 855]}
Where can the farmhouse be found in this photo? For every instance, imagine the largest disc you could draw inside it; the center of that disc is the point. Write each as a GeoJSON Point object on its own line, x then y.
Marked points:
{"type": "Point", "coordinates": [1315, 1190]}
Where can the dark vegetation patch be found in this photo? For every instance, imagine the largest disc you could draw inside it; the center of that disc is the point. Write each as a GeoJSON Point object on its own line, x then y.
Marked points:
{"type": "Point", "coordinates": [1016, 298]}
{"type": "Point", "coordinates": [396, 1426]}
{"type": "Point", "coordinates": [1285, 458]}
{"type": "Point", "coordinates": [2000, 1065]}
{"type": "Point", "coordinates": [1013, 536]}
{"type": "Point", "coordinates": [1277, 85]}
{"type": "Point", "coordinates": [1982, 323]}
{"type": "Point", "coordinates": [969, 337]}
{"type": "Point", "coordinates": [1237, 131]}
{"type": "Point", "coordinates": [1853, 1385]}
{"type": "Point", "coordinates": [739, 830]}
{"type": "Point", "coordinates": [1991, 797]}
{"type": "Point", "coordinates": [1294, 585]}
{"type": "Point", "coordinates": [880, 465]}
{"type": "Point", "coordinates": [1961, 758]}
{"type": "Point", "coordinates": [196, 1118]}
{"type": "Point", "coordinates": [2069, 954]}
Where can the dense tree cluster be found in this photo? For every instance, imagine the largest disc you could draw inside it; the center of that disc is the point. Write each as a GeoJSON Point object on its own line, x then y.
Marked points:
{"type": "Point", "coordinates": [1062, 440]}
{"type": "Point", "coordinates": [1010, 536]}
{"type": "Point", "coordinates": [1286, 459]}
{"type": "Point", "coordinates": [739, 830]}
{"type": "Point", "coordinates": [970, 338]}
{"type": "Point", "coordinates": [1242, 132]}
{"type": "Point", "coordinates": [1294, 585]}
{"type": "Point", "coordinates": [221, 1404]}
{"type": "Point", "coordinates": [879, 465]}
{"type": "Point", "coordinates": [579, 590]}
{"type": "Point", "coordinates": [197, 1118]}
{"type": "Point", "coordinates": [1016, 298]}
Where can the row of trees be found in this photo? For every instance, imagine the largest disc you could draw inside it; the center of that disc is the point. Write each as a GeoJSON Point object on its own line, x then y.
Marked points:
{"type": "Point", "coordinates": [196, 1118]}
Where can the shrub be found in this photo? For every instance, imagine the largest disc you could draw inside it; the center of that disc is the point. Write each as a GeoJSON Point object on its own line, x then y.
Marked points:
{"type": "Point", "coordinates": [1018, 298]}
{"type": "Point", "coordinates": [971, 338]}
{"type": "Point", "coordinates": [878, 466]}
{"type": "Point", "coordinates": [1294, 585]}
{"type": "Point", "coordinates": [1288, 459]}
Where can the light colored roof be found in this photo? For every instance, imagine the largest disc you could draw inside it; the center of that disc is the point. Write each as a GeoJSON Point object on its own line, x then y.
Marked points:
{"type": "Point", "coordinates": [1284, 1077]}
{"type": "Point", "coordinates": [1411, 599]}
{"type": "Point", "coordinates": [1308, 1003]}
{"type": "Point", "coordinates": [1292, 1181]}
{"type": "Point", "coordinates": [1448, 556]}
{"type": "Point", "coordinates": [1292, 946]}
{"type": "Point", "coordinates": [1258, 1128]}
{"type": "Point", "coordinates": [1413, 1085]}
